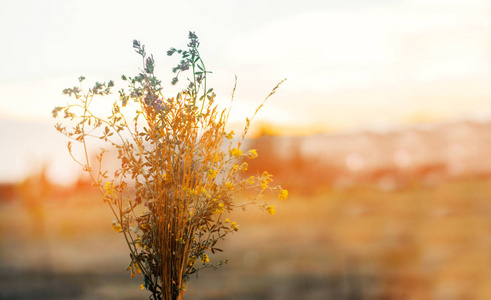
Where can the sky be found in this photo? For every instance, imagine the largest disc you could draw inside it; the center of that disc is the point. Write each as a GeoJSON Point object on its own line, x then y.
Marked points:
{"type": "Point", "coordinates": [350, 64]}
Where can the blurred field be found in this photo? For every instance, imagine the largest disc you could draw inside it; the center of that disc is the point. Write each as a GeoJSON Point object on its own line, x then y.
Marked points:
{"type": "Point", "coordinates": [361, 242]}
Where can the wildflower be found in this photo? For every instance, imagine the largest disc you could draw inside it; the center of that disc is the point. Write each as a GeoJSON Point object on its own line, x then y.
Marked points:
{"type": "Point", "coordinates": [234, 226]}
{"type": "Point", "coordinates": [271, 210]}
{"type": "Point", "coordinates": [230, 135]}
{"type": "Point", "coordinates": [205, 259]}
{"type": "Point", "coordinates": [236, 152]}
{"type": "Point", "coordinates": [192, 261]}
{"type": "Point", "coordinates": [283, 194]}
{"type": "Point", "coordinates": [142, 286]}
{"type": "Point", "coordinates": [252, 153]}
{"type": "Point", "coordinates": [244, 166]}
{"type": "Point", "coordinates": [227, 220]}
{"type": "Point", "coordinates": [229, 185]}
{"type": "Point", "coordinates": [137, 267]}
{"type": "Point", "coordinates": [109, 187]}
{"type": "Point", "coordinates": [264, 184]}
{"type": "Point", "coordinates": [117, 226]}
{"type": "Point", "coordinates": [250, 180]}
{"type": "Point", "coordinates": [220, 209]}
{"type": "Point", "coordinates": [235, 167]}
{"type": "Point", "coordinates": [212, 173]}
{"type": "Point", "coordinates": [266, 178]}
{"type": "Point", "coordinates": [192, 192]}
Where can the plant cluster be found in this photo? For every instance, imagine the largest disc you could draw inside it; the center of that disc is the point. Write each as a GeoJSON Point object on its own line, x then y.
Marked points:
{"type": "Point", "coordinates": [179, 173]}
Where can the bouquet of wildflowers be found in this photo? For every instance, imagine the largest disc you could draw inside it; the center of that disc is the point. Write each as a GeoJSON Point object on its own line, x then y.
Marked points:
{"type": "Point", "coordinates": [179, 170]}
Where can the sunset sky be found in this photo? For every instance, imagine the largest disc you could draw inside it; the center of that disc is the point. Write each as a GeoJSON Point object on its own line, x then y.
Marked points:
{"type": "Point", "coordinates": [350, 64]}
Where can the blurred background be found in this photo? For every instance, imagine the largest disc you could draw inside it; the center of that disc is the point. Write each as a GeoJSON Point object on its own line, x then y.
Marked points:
{"type": "Point", "coordinates": [381, 134]}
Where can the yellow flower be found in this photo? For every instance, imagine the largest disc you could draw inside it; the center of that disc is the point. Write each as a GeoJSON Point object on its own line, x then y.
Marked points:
{"type": "Point", "coordinates": [234, 226]}
{"type": "Point", "coordinates": [271, 210]}
{"type": "Point", "coordinates": [142, 286]}
{"type": "Point", "coordinates": [192, 261]}
{"type": "Point", "coordinates": [283, 194]}
{"type": "Point", "coordinates": [205, 259]}
{"type": "Point", "coordinates": [212, 173]}
{"type": "Point", "coordinates": [110, 192]}
{"type": "Point", "coordinates": [236, 152]}
{"type": "Point", "coordinates": [116, 226]}
{"type": "Point", "coordinates": [264, 184]}
{"type": "Point", "coordinates": [229, 185]}
{"type": "Point", "coordinates": [230, 135]}
{"type": "Point", "coordinates": [235, 167]}
{"type": "Point", "coordinates": [191, 192]}
{"type": "Point", "coordinates": [220, 209]}
{"type": "Point", "coordinates": [137, 267]}
{"type": "Point", "coordinates": [250, 180]}
{"type": "Point", "coordinates": [109, 187]}
{"type": "Point", "coordinates": [227, 220]}
{"type": "Point", "coordinates": [244, 166]}
{"type": "Point", "coordinates": [252, 153]}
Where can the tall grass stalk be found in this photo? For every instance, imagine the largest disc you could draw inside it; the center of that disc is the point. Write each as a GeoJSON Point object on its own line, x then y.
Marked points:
{"type": "Point", "coordinates": [179, 173]}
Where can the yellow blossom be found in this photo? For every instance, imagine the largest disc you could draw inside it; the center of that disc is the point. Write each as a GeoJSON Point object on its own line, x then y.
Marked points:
{"type": "Point", "coordinates": [244, 166]}
{"type": "Point", "coordinates": [252, 153]}
{"type": "Point", "coordinates": [192, 261]}
{"type": "Point", "coordinates": [230, 135]}
{"type": "Point", "coordinates": [227, 220]}
{"type": "Point", "coordinates": [271, 210]}
{"type": "Point", "coordinates": [236, 152]}
{"type": "Point", "coordinates": [229, 185]}
{"type": "Point", "coordinates": [110, 192]}
{"type": "Point", "coordinates": [283, 194]}
{"type": "Point", "coordinates": [235, 167]}
{"type": "Point", "coordinates": [191, 192]}
{"type": "Point", "coordinates": [142, 286]}
{"type": "Point", "coordinates": [264, 184]}
{"type": "Point", "coordinates": [116, 226]}
{"type": "Point", "coordinates": [109, 187]}
{"type": "Point", "coordinates": [137, 268]}
{"type": "Point", "coordinates": [234, 226]}
{"type": "Point", "coordinates": [205, 259]}
{"type": "Point", "coordinates": [220, 209]}
{"type": "Point", "coordinates": [216, 157]}
{"type": "Point", "coordinates": [250, 180]}
{"type": "Point", "coordinates": [212, 173]}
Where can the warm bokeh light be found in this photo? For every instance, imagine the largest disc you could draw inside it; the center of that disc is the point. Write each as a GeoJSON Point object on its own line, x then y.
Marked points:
{"type": "Point", "coordinates": [381, 135]}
